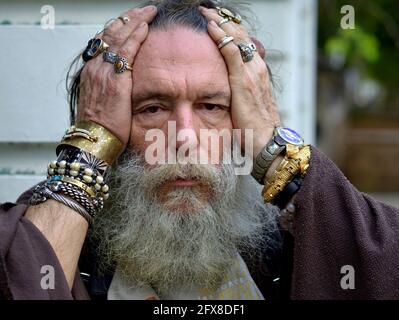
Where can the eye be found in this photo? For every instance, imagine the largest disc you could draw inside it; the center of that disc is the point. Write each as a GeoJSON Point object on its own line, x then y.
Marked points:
{"type": "Point", "coordinates": [152, 109]}
{"type": "Point", "coordinates": [212, 107]}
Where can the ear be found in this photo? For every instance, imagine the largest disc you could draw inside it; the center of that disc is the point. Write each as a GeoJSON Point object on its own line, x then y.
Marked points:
{"type": "Point", "coordinates": [259, 45]}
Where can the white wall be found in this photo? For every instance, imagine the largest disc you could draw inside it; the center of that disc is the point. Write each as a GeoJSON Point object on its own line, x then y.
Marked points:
{"type": "Point", "coordinates": [33, 107]}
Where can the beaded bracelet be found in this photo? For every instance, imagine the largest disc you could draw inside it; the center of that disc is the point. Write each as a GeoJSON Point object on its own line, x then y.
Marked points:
{"type": "Point", "coordinates": [80, 175]}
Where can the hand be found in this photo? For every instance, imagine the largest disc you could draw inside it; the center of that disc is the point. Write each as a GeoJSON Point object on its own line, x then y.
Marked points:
{"type": "Point", "coordinates": [252, 102]}
{"type": "Point", "coordinates": [105, 97]}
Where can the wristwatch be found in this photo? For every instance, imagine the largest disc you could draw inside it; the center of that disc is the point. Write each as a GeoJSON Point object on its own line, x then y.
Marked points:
{"type": "Point", "coordinates": [277, 145]}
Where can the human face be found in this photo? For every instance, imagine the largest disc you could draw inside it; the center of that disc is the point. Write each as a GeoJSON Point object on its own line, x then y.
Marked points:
{"type": "Point", "coordinates": [179, 76]}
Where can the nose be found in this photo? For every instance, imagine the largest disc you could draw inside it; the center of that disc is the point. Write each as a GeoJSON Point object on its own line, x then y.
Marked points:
{"type": "Point", "coordinates": [186, 127]}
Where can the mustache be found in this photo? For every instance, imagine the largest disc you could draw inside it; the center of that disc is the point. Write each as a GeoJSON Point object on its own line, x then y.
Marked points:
{"type": "Point", "coordinates": [154, 176]}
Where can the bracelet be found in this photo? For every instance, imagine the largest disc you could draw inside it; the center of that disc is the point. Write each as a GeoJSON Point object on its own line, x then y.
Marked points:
{"type": "Point", "coordinates": [96, 140]}
{"type": "Point", "coordinates": [72, 154]}
{"type": "Point", "coordinates": [77, 195]}
{"type": "Point", "coordinates": [79, 175]}
{"type": "Point", "coordinates": [292, 164]}
{"type": "Point", "coordinates": [42, 193]}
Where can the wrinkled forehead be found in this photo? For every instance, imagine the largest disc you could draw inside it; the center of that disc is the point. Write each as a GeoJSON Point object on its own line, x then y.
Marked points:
{"type": "Point", "coordinates": [179, 49]}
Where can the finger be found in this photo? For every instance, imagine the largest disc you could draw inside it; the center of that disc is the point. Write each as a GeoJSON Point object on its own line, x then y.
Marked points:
{"type": "Point", "coordinates": [132, 45]}
{"type": "Point", "coordinates": [238, 31]}
{"type": "Point", "coordinates": [230, 52]}
{"type": "Point", "coordinates": [118, 32]}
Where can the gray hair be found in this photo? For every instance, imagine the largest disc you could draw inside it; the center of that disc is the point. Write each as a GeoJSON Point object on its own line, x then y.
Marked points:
{"type": "Point", "coordinates": [169, 13]}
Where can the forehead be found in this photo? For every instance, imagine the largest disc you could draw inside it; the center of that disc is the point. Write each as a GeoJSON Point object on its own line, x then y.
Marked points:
{"type": "Point", "coordinates": [178, 56]}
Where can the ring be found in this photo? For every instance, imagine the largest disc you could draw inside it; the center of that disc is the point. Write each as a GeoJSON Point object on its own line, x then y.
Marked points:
{"type": "Point", "coordinates": [224, 41]}
{"type": "Point", "coordinates": [247, 51]}
{"type": "Point", "coordinates": [225, 20]}
{"type": "Point", "coordinates": [110, 57]}
{"type": "Point", "coordinates": [121, 65]}
{"type": "Point", "coordinates": [124, 19]}
{"type": "Point", "coordinates": [94, 48]}
{"type": "Point", "coordinates": [226, 13]}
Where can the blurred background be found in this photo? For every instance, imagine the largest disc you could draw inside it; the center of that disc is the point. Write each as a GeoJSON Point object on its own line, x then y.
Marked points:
{"type": "Point", "coordinates": [336, 81]}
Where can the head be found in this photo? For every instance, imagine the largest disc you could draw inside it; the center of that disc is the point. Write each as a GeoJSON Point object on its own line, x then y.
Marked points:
{"type": "Point", "coordinates": [171, 225]}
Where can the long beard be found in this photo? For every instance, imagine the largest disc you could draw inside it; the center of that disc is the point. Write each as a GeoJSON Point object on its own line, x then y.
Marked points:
{"type": "Point", "coordinates": [181, 237]}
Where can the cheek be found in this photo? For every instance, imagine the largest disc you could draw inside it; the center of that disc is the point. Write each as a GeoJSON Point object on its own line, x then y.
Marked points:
{"type": "Point", "coordinates": [137, 137]}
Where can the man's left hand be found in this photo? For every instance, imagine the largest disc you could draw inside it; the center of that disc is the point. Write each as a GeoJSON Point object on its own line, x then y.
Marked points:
{"type": "Point", "coordinates": [252, 102]}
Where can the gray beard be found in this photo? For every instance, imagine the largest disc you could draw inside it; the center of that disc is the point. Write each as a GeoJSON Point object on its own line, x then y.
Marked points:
{"type": "Point", "coordinates": [181, 238]}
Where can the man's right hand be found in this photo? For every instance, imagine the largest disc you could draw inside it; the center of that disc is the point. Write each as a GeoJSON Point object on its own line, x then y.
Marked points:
{"type": "Point", "coordinates": [105, 96]}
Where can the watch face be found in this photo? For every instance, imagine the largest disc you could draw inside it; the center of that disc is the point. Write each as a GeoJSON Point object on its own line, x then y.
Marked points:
{"type": "Point", "coordinates": [290, 136]}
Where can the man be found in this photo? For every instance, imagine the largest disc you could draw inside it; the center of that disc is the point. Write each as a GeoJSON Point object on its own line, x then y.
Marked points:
{"type": "Point", "coordinates": [190, 231]}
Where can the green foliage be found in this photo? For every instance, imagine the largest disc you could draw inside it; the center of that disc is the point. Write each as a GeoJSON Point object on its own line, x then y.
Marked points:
{"type": "Point", "coordinates": [372, 47]}
{"type": "Point", "coordinates": [353, 45]}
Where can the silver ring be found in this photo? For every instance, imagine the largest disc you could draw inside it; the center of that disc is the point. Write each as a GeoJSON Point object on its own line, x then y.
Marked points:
{"type": "Point", "coordinates": [225, 20]}
{"type": "Point", "coordinates": [252, 46]}
{"type": "Point", "coordinates": [110, 57]}
{"type": "Point", "coordinates": [247, 51]}
{"type": "Point", "coordinates": [224, 41]}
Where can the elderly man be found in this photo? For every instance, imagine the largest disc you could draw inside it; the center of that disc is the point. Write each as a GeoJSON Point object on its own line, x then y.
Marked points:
{"type": "Point", "coordinates": [185, 230]}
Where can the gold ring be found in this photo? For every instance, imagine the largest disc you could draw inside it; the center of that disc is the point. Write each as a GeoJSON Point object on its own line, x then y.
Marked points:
{"type": "Point", "coordinates": [124, 19]}
{"type": "Point", "coordinates": [121, 65]}
{"type": "Point", "coordinates": [226, 13]}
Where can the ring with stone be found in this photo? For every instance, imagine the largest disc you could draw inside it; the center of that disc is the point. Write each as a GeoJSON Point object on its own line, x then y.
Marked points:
{"type": "Point", "coordinates": [247, 51]}
{"type": "Point", "coordinates": [94, 48]}
{"type": "Point", "coordinates": [121, 65]}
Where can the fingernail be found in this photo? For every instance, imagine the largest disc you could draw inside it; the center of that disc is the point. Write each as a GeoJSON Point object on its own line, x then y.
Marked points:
{"type": "Point", "coordinates": [213, 24]}
{"type": "Point", "coordinates": [150, 9]}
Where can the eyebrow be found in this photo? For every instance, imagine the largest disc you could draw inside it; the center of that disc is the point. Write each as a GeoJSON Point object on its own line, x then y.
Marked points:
{"type": "Point", "coordinates": [164, 96]}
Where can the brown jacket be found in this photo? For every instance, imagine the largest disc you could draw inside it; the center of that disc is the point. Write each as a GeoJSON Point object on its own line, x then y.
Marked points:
{"type": "Point", "coordinates": [335, 225]}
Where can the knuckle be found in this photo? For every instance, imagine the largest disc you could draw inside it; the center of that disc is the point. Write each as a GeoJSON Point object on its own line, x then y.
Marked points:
{"type": "Point", "coordinates": [235, 52]}
{"type": "Point", "coordinates": [124, 52]}
{"type": "Point", "coordinates": [118, 38]}
{"type": "Point", "coordinates": [98, 77]}
{"type": "Point", "coordinates": [111, 85]}
{"type": "Point", "coordinates": [111, 28]}
{"type": "Point", "coordinates": [249, 83]}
